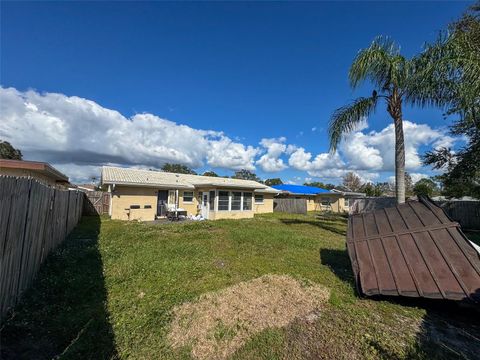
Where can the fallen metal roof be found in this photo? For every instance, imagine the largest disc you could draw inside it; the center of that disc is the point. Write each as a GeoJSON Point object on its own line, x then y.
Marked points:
{"type": "Point", "coordinates": [413, 249]}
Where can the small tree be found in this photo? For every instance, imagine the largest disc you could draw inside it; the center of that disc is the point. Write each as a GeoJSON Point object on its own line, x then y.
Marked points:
{"type": "Point", "coordinates": [246, 175]}
{"type": "Point", "coordinates": [7, 151]}
{"type": "Point", "coordinates": [274, 181]}
{"type": "Point", "coordinates": [352, 181]}
{"type": "Point", "coordinates": [210, 173]}
{"type": "Point", "coordinates": [321, 185]}
{"type": "Point", "coordinates": [178, 169]}
{"type": "Point", "coordinates": [408, 184]}
{"type": "Point", "coordinates": [426, 187]}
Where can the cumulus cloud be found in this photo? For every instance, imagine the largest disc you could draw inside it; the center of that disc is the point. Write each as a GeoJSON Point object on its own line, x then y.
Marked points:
{"type": "Point", "coordinates": [76, 131]}
{"type": "Point", "coordinates": [79, 136]}
{"type": "Point", "coordinates": [271, 161]}
{"type": "Point", "coordinates": [368, 153]}
{"type": "Point", "coordinates": [376, 150]}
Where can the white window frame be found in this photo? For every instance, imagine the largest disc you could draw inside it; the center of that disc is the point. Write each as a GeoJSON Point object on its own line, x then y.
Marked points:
{"type": "Point", "coordinates": [259, 202]}
{"type": "Point", "coordinates": [241, 199]}
{"type": "Point", "coordinates": [229, 200]}
{"type": "Point", "coordinates": [251, 200]}
{"type": "Point", "coordinates": [183, 197]}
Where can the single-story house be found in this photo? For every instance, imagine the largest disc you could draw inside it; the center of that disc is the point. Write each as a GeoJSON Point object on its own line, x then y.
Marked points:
{"type": "Point", "coordinates": [319, 199]}
{"type": "Point", "coordinates": [41, 171]}
{"type": "Point", "coordinates": [147, 195]}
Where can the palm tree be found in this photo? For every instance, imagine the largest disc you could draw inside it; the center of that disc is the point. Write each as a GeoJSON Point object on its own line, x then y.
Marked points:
{"type": "Point", "coordinates": [396, 80]}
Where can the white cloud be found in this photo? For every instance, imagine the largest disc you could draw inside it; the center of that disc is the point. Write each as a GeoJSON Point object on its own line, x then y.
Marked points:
{"type": "Point", "coordinates": [72, 130]}
{"type": "Point", "coordinates": [271, 161]}
{"type": "Point", "coordinates": [376, 150]}
{"type": "Point", "coordinates": [79, 135]}
{"type": "Point", "coordinates": [418, 176]}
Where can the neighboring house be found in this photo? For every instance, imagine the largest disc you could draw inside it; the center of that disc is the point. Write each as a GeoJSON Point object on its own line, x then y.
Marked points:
{"type": "Point", "coordinates": [43, 172]}
{"type": "Point", "coordinates": [144, 195]}
{"type": "Point", "coordinates": [86, 187]}
{"type": "Point", "coordinates": [319, 199]}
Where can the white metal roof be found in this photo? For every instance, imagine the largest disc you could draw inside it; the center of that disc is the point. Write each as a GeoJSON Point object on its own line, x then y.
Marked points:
{"type": "Point", "coordinates": [149, 178]}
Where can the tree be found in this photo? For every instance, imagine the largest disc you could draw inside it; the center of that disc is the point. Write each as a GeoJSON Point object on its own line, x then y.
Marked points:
{"type": "Point", "coordinates": [453, 64]}
{"type": "Point", "coordinates": [352, 182]}
{"type": "Point", "coordinates": [425, 187]}
{"type": "Point", "coordinates": [320, 184]}
{"type": "Point", "coordinates": [397, 80]}
{"type": "Point", "coordinates": [178, 169]}
{"type": "Point", "coordinates": [371, 190]}
{"type": "Point", "coordinates": [210, 173]}
{"type": "Point", "coordinates": [274, 181]}
{"type": "Point", "coordinates": [7, 151]}
{"type": "Point", "coordinates": [408, 184]}
{"type": "Point", "coordinates": [246, 175]}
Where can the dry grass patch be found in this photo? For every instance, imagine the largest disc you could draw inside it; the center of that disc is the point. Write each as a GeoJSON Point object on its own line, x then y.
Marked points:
{"type": "Point", "coordinates": [219, 323]}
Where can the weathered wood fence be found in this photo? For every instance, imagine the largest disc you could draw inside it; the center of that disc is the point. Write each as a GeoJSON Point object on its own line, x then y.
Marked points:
{"type": "Point", "coordinates": [466, 213]}
{"type": "Point", "coordinates": [98, 203]}
{"type": "Point", "coordinates": [34, 219]}
{"type": "Point", "coordinates": [292, 206]}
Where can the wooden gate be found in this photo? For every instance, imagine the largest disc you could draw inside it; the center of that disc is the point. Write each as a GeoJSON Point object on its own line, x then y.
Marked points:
{"type": "Point", "coordinates": [98, 203]}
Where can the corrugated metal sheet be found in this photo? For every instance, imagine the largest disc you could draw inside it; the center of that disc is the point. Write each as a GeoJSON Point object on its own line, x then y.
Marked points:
{"type": "Point", "coordinates": [127, 176]}
{"type": "Point", "coordinates": [412, 249]}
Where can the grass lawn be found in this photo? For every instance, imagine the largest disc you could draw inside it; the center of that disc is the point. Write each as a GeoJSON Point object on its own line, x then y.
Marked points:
{"type": "Point", "coordinates": [114, 289]}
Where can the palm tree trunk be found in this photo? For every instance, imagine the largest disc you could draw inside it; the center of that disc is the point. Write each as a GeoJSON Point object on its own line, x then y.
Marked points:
{"type": "Point", "coordinates": [399, 161]}
{"type": "Point", "coordinates": [395, 110]}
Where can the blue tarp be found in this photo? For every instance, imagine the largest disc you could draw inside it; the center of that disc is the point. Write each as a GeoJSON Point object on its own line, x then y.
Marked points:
{"type": "Point", "coordinates": [300, 189]}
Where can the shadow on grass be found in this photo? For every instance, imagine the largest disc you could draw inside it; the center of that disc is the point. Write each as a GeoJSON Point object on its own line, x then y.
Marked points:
{"type": "Point", "coordinates": [448, 330]}
{"type": "Point", "coordinates": [64, 314]}
{"type": "Point", "coordinates": [339, 262]}
{"type": "Point", "coordinates": [340, 229]}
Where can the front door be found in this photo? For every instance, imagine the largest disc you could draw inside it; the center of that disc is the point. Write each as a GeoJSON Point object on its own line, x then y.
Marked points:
{"type": "Point", "coordinates": [205, 204]}
{"type": "Point", "coordinates": [162, 202]}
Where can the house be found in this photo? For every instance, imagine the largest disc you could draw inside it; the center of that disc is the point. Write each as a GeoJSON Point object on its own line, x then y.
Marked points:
{"type": "Point", "coordinates": [146, 195]}
{"type": "Point", "coordinates": [319, 199]}
{"type": "Point", "coordinates": [41, 171]}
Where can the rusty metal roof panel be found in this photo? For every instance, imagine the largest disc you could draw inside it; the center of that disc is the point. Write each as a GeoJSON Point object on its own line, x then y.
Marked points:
{"type": "Point", "coordinates": [413, 249]}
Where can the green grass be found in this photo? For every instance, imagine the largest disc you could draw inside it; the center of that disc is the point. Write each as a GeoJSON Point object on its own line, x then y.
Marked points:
{"type": "Point", "coordinates": [108, 292]}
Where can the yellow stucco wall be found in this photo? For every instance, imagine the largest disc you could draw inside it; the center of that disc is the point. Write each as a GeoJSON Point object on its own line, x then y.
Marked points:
{"type": "Point", "coordinates": [216, 215]}
{"type": "Point", "coordinates": [191, 207]}
{"type": "Point", "coordinates": [266, 206]}
{"type": "Point", "coordinates": [125, 196]}
{"type": "Point", "coordinates": [28, 173]}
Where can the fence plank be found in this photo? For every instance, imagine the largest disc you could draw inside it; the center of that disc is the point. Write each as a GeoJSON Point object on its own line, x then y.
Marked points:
{"type": "Point", "coordinates": [34, 219]}
{"type": "Point", "coordinates": [96, 203]}
{"type": "Point", "coordinates": [292, 206]}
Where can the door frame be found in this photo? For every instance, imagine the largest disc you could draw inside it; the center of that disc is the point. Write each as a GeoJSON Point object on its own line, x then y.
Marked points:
{"type": "Point", "coordinates": [204, 207]}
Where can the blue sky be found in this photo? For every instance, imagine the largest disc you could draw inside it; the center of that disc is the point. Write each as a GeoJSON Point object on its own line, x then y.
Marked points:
{"type": "Point", "coordinates": [250, 70]}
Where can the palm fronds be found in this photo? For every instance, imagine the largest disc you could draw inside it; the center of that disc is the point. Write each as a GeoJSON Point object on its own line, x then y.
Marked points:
{"type": "Point", "coordinates": [345, 119]}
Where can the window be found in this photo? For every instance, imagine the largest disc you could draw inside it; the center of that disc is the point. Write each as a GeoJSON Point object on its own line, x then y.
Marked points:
{"type": "Point", "coordinates": [258, 199]}
{"type": "Point", "coordinates": [134, 206]}
{"type": "Point", "coordinates": [147, 206]}
{"type": "Point", "coordinates": [188, 196]}
{"type": "Point", "coordinates": [236, 200]}
{"type": "Point", "coordinates": [223, 201]}
{"type": "Point", "coordinates": [326, 201]}
{"type": "Point", "coordinates": [212, 200]}
{"type": "Point", "coordinates": [247, 201]}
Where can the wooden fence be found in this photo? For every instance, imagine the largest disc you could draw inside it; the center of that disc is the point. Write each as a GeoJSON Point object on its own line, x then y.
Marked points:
{"type": "Point", "coordinates": [292, 206]}
{"type": "Point", "coordinates": [97, 203]}
{"type": "Point", "coordinates": [466, 213]}
{"type": "Point", "coordinates": [34, 219]}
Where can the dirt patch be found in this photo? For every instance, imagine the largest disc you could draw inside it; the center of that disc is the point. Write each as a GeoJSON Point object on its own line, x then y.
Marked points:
{"type": "Point", "coordinates": [219, 323]}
